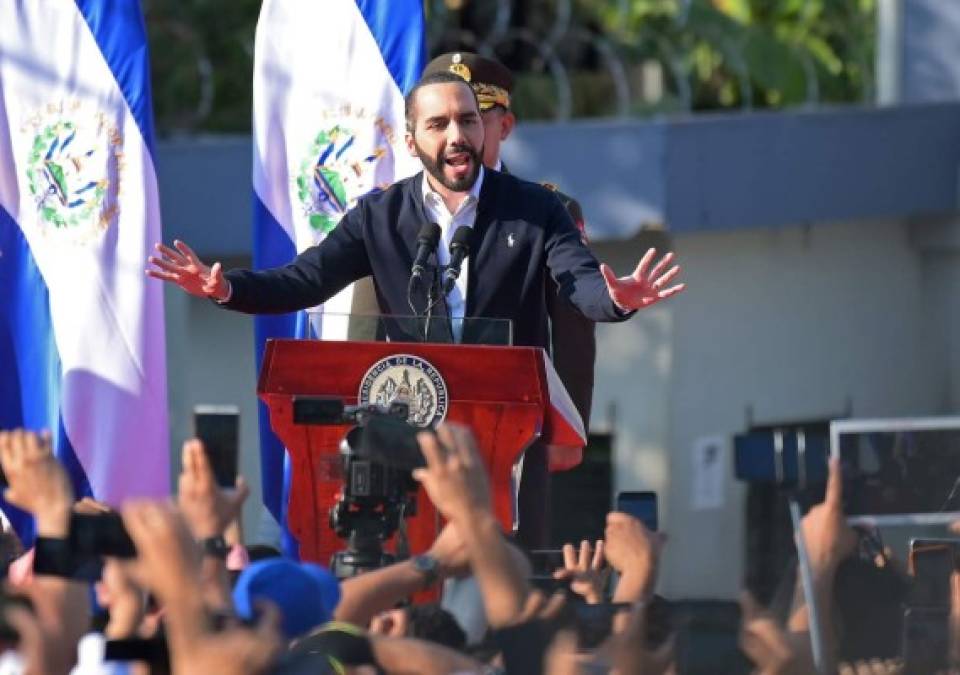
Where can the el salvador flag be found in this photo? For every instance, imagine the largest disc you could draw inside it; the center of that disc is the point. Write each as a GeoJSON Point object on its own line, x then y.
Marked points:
{"type": "Point", "coordinates": [82, 349]}
{"type": "Point", "coordinates": [329, 79]}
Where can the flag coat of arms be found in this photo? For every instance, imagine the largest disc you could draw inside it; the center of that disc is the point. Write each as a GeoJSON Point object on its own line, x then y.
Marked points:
{"type": "Point", "coordinates": [82, 347]}
{"type": "Point", "coordinates": [329, 80]}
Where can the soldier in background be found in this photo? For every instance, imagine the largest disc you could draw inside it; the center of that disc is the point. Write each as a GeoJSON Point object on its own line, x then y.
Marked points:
{"type": "Point", "coordinates": [572, 336]}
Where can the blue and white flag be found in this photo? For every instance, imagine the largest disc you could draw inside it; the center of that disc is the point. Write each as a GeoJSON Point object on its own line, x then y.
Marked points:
{"type": "Point", "coordinates": [82, 350]}
{"type": "Point", "coordinates": [329, 79]}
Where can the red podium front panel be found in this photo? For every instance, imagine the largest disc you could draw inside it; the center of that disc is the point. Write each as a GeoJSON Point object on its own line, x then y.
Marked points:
{"type": "Point", "coordinates": [501, 393]}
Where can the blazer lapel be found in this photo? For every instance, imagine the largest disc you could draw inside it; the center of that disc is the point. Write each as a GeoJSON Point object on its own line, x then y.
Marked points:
{"type": "Point", "coordinates": [484, 245]}
{"type": "Point", "coordinates": [409, 228]}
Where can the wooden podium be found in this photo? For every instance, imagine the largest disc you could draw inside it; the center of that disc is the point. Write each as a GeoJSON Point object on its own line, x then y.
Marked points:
{"type": "Point", "coordinates": [508, 396]}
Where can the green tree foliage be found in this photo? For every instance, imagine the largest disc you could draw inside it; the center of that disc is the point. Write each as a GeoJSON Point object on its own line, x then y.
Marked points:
{"type": "Point", "coordinates": [201, 54]}
{"type": "Point", "coordinates": [712, 54]}
{"type": "Point", "coordinates": [750, 53]}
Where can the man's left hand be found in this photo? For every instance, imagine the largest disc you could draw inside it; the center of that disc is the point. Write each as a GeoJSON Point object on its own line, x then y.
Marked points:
{"type": "Point", "coordinates": [646, 286]}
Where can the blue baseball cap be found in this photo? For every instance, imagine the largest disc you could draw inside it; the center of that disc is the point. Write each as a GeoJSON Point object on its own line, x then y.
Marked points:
{"type": "Point", "coordinates": [306, 594]}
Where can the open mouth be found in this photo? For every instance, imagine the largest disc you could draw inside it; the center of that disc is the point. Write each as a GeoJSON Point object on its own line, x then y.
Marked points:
{"type": "Point", "coordinates": [458, 159]}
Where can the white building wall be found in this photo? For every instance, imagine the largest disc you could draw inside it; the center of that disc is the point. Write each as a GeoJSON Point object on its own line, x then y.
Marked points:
{"type": "Point", "coordinates": [793, 323]}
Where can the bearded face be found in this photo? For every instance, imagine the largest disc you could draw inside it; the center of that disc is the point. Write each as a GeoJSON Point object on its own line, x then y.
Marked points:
{"type": "Point", "coordinates": [448, 135]}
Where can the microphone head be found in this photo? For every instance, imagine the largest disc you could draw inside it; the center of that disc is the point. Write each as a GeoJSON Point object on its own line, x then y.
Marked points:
{"type": "Point", "coordinates": [429, 235]}
{"type": "Point", "coordinates": [462, 238]}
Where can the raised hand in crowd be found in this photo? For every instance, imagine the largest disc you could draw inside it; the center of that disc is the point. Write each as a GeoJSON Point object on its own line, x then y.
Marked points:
{"type": "Point", "coordinates": [586, 571]}
{"type": "Point", "coordinates": [767, 645]}
{"type": "Point", "coordinates": [455, 479]}
{"type": "Point", "coordinates": [829, 541]}
{"type": "Point", "coordinates": [169, 559]}
{"type": "Point", "coordinates": [168, 563]}
{"type": "Point", "coordinates": [181, 266]}
{"type": "Point", "coordinates": [39, 484]}
{"type": "Point", "coordinates": [207, 509]}
{"type": "Point", "coordinates": [634, 552]}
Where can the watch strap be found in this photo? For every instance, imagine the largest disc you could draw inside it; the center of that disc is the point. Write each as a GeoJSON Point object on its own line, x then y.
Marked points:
{"type": "Point", "coordinates": [215, 547]}
{"type": "Point", "coordinates": [428, 566]}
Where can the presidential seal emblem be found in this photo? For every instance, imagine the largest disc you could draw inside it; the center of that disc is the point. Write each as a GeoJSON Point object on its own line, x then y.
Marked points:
{"type": "Point", "coordinates": [342, 165]}
{"type": "Point", "coordinates": [411, 380]}
{"type": "Point", "coordinates": [73, 170]}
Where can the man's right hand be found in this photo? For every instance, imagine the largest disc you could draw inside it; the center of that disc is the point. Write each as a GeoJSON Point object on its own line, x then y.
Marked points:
{"type": "Point", "coordinates": [185, 269]}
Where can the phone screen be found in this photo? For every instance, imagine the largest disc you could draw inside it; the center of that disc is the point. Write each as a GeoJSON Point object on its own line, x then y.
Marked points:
{"type": "Point", "coordinates": [100, 534]}
{"type": "Point", "coordinates": [932, 561]}
{"type": "Point", "coordinates": [218, 427]}
{"type": "Point", "coordinates": [899, 475]}
{"type": "Point", "coordinates": [640, 505]}
{"type": "Point", "coordinates": [153, 651]}
{"type": "Point", "coordinates": [546, 561]}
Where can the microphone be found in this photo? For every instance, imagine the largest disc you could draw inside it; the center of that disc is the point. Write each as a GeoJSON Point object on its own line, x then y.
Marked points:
{"type": "Point", "coordinates": [459, 249]}
{"type": "Point", "coordinates": [427, 241]}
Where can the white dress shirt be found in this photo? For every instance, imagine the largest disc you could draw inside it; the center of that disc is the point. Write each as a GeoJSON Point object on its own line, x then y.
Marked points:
{"type": "Point", "coordinates": [465, 214]}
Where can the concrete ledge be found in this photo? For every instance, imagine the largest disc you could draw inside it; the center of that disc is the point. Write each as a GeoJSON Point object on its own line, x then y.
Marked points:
{"type": "Point", "coordinates": [706, 172]}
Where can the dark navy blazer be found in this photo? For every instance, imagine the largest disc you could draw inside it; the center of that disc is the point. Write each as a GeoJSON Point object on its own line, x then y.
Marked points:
{"type": "Point", "coordinates": [522, 233]}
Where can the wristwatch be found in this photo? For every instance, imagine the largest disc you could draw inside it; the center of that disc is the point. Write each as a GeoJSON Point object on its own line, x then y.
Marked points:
{"type": "Point", "coordinates": [428, 566]}
{"type": "Point", "coordinates": [215, 547]}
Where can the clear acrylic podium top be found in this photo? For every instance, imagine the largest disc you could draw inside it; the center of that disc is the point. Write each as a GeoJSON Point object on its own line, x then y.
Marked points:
{"type": "Point", "coordinates": [398, 328]}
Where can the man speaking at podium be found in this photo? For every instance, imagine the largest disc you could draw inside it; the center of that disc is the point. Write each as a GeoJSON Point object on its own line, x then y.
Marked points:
{"type": "Point", "coordinates": [519, 232]}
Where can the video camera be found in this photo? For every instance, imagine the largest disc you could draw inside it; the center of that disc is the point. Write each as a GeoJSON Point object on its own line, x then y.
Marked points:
{"type": "Point", "coordinates": [377, 456]}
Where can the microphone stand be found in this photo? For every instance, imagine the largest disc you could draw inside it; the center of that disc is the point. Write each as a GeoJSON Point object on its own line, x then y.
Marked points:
{"type": "Point", "coordinates": [431, 303]}
{"type": "Point", "coordinates": [433, 299]}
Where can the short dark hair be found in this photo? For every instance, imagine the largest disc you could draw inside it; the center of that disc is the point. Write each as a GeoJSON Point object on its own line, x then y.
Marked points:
{"type": "Point", "coordinates": [432, 622]}
{"type": "Point", "coordinates": [434, 78]}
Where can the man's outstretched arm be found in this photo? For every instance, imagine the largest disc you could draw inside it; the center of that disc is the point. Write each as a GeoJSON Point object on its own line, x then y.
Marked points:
{"type": "Point", "coordinates": [604, 296]}
{"type": "Point", "coordinates": [314, 276]}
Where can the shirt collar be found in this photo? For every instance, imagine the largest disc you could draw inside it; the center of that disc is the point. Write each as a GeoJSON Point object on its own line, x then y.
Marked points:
{"type": "Point", "coordinates": [474, 195]}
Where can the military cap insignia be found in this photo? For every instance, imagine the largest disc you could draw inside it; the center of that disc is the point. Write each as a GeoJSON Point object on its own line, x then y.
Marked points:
{"type": "Point", "coordinates": [458, 67]}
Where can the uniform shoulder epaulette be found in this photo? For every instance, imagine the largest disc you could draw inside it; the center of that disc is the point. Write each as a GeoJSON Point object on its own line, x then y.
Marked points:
{"type": "Point", "coordinates": [550, 186]}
